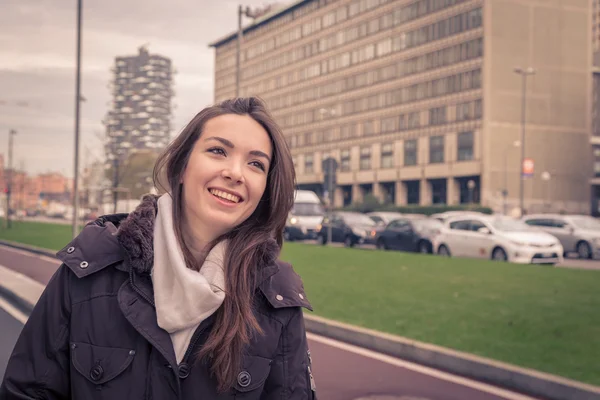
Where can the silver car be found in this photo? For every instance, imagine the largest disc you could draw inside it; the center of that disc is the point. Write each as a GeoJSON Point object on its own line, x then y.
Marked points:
{"type": "Point", "coordinates": [576, 233]}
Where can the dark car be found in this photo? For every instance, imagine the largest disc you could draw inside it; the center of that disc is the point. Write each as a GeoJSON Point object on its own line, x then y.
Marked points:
{"type": "Point", "coordinates": [409, 234]}
{"type": "Point", "coordinates": [350, 228]}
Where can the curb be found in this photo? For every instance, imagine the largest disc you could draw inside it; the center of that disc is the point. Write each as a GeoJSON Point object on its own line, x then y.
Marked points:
{"type": "Point", "coordinates": [523, 380]}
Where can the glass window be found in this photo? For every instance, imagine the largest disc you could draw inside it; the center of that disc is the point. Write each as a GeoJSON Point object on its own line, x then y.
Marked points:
{"type": "Point", "coordinates": [436, 149]}
{"type": "Point", "coordinates": [365, 158]}
{"type": "Point", "coordinates": [345, 160]}
{"type": "Point", "coordinates": [465, 146]}
{"type": "Point", "coordinates": [308, 163]}
{"type": "Point", "coordinates": [389, 124]}
{"type": "Point", "coordinates": [437, 116]}
{"type": "Point", "coordinates": [410, 152]}
{"type": "Point", "coordinates": [369, 128]}
{"type": "Point", "coordinates": [462, 225]}
{"type": "Point", "coordinates": [387, 155]}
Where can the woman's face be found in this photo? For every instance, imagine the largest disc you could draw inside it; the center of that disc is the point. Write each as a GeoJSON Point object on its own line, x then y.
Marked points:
{"type": "Point", "coordinates": [226, 174]}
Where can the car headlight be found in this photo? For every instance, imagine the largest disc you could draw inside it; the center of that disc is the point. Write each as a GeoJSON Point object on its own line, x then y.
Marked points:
{"type": "Point", "coordinates": [293, 220]}
{"type": "Point", "coordinates": [358, 232]}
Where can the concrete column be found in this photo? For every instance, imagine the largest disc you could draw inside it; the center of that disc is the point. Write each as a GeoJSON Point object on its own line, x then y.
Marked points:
{"type": "Point", "coordinates": [400, 193]}
{"type": "Point", "coordinates": [425, 195]}
{"type": "Point", "coordinates": [357, 194]}
{"type": "Point", "coordinates": [338, 197]}
{"type": "Point", "coordinates": [452, 191]}
{"type": "Point", "coordinates": [379, 191]}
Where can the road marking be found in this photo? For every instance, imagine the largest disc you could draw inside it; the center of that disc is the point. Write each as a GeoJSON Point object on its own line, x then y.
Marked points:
{"type": "Point", "coordinates": [420, 368]}
{"type": "Point", "coordinates": [13, 311]}
{"type": "Point", "coordinates": [29, 254]}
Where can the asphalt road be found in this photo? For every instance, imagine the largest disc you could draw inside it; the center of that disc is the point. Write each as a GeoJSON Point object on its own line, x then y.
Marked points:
{"type": "Point", "coordinates": [342, 372]}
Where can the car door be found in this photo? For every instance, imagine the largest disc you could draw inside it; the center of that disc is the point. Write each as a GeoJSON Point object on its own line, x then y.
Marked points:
{"type": "Point", "coordinates": [404, 235]}
{"type": "Point", "coordinates": [337, 229]}
{"type": "Point", "coordinates": [456, 237]}
{"type": "Point", "coordinates": [564, 233]}
{"type": "Point", "coordinates": [478, 244]}
{"type": "Point", "coordinates": [389, 235]}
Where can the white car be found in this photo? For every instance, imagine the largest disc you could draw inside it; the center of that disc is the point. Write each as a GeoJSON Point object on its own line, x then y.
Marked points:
{"type": "Point", "coordinates": [498, 238]}
{"type": "Point", "coordinates": [446, 215]}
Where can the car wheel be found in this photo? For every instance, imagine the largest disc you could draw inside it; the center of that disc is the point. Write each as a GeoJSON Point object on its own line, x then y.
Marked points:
{"type": "Point", "coordinates": [584, 251]}
{"type": "Point", "coordinates": [444, 251]}
{"type": "Point", "coordinates": [499, 255]}
{"type": "Point", "coordinates": [348, 242]}
{"type": "Point", "coordinates": [321, 240]}
{"type": "Point", "coordinates": [424, 247]}
{"type": "Point", "coordinates": [381, 245]}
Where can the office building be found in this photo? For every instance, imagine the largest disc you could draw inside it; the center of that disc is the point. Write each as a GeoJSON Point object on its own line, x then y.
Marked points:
{"type": "Point", "coordinates": [419, 102]}
{"type": "Point", "coordinates": [140, 113]}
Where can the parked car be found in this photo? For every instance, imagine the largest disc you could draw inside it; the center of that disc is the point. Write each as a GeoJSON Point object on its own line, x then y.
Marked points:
{"type": "Point", "coordinates": [446, 215]}
{"type": "Point", "coordinates": [350, 228]}
{"type": "Point", "coordinates": [383, 218]}
{"type": "Point", "coordinates": [576, 233]}
{"type": "Point", "coordinates": [409, 234]}
{"type": "Point", "coordinates": [304, 217]}
{"type": "Point", "coordinates": [498, 238]}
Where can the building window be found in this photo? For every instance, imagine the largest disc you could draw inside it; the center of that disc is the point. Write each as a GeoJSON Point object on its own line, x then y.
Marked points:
{"type": "Point", "coordinates": [437, 116]}
{"type": "Point", "coordinates": [463, 111]}
{"type": "Point", "coordinates": [308, 138]}
{"type": "Point", "coordinates": [410, 152]}
{"type": "Point", "coordinates": [387, 155]}
{"type": "Point", "coordinates": [389, 124]}
{"type": "Point", "coordinates": [478, 109]}
{"type": "Point", "coordinates": [365, 158]}
{"type": "Point", "coordinates": [596, 162]}
{"type": "Point", "coordinates": [436, 149]}
{"type": "Point", "coordinates": [345, 160]}
{"type": "Point", "coordinates": [465, 146]}
{"type": "Point", "coordinates": [368, 128]}
{"type": "Point", "coordinates": [348, 132]}
{"type": "Point", "coordinates": [414, 120]}
{"type": "Point", "coordinates": [308, 164]}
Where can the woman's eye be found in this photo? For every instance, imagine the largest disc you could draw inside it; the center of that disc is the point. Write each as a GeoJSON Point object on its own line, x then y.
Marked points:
{"type": "Point", "coordinates": [258, 164]}
{"type": "Point", "coordinates": [217, 150]}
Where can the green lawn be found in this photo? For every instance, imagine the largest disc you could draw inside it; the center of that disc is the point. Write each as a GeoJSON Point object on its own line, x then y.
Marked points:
{"type": "Point", "coordinates": [534, 316]}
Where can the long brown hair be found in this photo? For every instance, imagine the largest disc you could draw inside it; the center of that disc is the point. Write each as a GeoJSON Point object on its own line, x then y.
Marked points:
{"type": "Point", "coordinates": [248, 246]}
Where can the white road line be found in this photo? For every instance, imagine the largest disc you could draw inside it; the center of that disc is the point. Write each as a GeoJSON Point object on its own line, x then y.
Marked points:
{"type": "Point", "coordinates": [12, 310]}
{"type": "Point", "coordinates": [34, 255]}
{"type": "Point", "coordinates": [420, 368]}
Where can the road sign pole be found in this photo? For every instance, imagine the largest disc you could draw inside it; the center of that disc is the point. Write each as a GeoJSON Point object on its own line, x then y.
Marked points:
{"type": "Point", "coordinates": [331, 197]}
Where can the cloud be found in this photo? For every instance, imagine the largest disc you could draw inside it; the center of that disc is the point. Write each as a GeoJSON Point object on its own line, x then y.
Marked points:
{"type": "Point", "coordinates": [37, 65]}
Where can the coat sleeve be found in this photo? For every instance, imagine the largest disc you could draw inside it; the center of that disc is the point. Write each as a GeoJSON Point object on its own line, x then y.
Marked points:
{"type": "Point", "coordinates": [291, 375]}
{"type": "Point", "coordinates": [39, 365]}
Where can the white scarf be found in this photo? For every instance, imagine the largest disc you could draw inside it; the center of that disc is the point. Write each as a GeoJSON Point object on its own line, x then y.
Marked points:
{"type": "Point", "coordinates": [183, 297]}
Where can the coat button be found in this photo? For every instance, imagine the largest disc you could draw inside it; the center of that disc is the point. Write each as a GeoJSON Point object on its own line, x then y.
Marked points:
{"type": "Point", "coordinates": [132, 352]}
{"type": "Point", "coordinates": [184, 371]}
{"type": "Point", "coordinates": [96, 373]}
{"type": "Point", "coordinates": [70, 249]}
{"type": "Point", "coordinates": [244, 379]}
{"type": "Point", "coordinates": [279, 297]}
{"type": "Point", "coordinates": [83, 265]}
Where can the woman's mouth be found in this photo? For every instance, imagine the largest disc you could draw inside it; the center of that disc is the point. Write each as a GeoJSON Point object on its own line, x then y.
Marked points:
{"type": "Point", "coordinates": [225, 196]}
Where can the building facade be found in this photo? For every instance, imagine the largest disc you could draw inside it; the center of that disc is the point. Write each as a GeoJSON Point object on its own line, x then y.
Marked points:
{"type": "Point", "coordinates": [418, 101]}
{"type": "Point", "coordinates": [140, 113]}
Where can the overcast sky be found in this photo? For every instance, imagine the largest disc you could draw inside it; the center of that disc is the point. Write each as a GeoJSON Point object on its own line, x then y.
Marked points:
{"type": "Point", "coordinates": [37, 67]}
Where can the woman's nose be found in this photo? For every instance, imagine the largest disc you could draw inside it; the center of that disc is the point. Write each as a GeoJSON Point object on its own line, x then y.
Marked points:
{"type": "Point", "coordinates": [233, 173]}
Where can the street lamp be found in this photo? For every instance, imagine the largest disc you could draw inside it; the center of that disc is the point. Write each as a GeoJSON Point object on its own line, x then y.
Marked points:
{"type": "Point", "coordinates": [471, 187]}
{"type": "Point", "coordinates": [516, 143]}
{"type": "Point", "coordinates": [254, 14]}
{"type": "Point", "coordinates": [546, 178]}
{"type": "Point", "coordinates": [78, 99]}
{"type": "Point", "coordinates": [9, 177]}
{"type": "Point", "coordinates": [524, 72]}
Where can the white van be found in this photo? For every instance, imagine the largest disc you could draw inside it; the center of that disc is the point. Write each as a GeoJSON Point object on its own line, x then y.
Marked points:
{"type": "Point", "coordinates": [305, 216]}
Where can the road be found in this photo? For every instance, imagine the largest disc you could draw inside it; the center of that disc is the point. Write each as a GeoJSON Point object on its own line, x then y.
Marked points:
{"type": "Point", "coordinates": [342, 371]}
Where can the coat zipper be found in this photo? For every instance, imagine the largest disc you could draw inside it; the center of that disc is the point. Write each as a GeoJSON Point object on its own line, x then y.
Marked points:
{"type": "Point", "coordinates": [138, 291]}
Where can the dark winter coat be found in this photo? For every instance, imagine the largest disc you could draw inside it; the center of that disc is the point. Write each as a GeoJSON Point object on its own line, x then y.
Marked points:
{"type": "Point", "coordinates": [93, 334]}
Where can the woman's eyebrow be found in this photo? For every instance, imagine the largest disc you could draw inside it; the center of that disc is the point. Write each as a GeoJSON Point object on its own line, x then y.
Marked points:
{"type": "Point", "coordinates": [229, 144]}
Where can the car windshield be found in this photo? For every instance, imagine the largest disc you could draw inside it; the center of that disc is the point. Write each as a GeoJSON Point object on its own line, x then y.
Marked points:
{"type": "Point", "coordinates": [359, 219]}
{"type": "Point", "coordinates": [583, 222]}
{"type": "Point", "coordinates": [510, 225]}
{"type": "Point", "coordinates": [307, 209]}
{"type": "Point", "coordinates": [427, 223]}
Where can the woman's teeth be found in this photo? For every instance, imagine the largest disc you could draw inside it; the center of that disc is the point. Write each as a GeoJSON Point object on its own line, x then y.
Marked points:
{"type": "Point", "coordinates": [226, 196]}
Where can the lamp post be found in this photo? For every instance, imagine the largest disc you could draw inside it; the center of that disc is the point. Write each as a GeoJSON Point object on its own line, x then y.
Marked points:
{"type": "Point", "coordinates": [516, 143]}
{"type": "Point", "coordinates": [9, 174]}
{"type": "Point", "coordinates": [524, 72]}
{"type": "Point", "coordinates": [471, 187]}
{"type": "Point", "coordinates": [78, 100]}
{"type": "Point", "coordinates": [546, 178]}
{"type": "Point", "coordinates": [250, 13]}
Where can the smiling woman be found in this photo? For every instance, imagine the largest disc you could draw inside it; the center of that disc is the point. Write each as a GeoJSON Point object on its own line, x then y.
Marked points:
{"type": "Point", "coordinates": [203, 292]}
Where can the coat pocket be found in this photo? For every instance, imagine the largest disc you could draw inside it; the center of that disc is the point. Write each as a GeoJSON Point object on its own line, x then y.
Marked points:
{"type": "Point", "coordinates": [251, 379]}
{"type": "Point", "coordinates": [99, 366]}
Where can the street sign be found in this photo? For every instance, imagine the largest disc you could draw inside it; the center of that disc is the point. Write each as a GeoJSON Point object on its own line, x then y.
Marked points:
{"type": "Point", "coordinates": [528, 168]}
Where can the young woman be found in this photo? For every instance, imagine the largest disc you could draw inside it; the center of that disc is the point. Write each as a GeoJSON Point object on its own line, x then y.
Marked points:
{"type": "Point", "coordinates": [184, 298]}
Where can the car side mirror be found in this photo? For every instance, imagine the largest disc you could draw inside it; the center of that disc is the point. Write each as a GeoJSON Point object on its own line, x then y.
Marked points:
{"type": "Point", "coordinates": [484, 231]}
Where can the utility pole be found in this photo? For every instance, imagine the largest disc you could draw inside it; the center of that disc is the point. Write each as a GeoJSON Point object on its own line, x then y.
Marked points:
{"type": "Point", "coordinates": [78, 99]}
{"type": "Point", "coordinates": [9, 179]}
{"type": "Point", "coordinates": [254, 14]}
{"type": "Point", "coordinates": [524, 72]}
